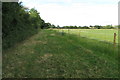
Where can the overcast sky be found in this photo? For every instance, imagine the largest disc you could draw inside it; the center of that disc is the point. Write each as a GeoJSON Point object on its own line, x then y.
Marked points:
{"type": "Point", "coordinates": [76, 12]}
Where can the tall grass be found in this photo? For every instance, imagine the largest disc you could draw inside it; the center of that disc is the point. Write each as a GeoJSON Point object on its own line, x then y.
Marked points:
{"type": "Point", "coordinates": [50, 54]}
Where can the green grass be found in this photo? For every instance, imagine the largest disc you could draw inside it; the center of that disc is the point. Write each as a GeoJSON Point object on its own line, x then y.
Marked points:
{"type": "Point", "coordinates": [99, 34]}
{"type": "Point", "coordinates": [49, 54]}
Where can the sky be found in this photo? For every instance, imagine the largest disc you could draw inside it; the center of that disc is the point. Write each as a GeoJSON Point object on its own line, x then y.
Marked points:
{"type": "Point", "coordinates": [76, 12]}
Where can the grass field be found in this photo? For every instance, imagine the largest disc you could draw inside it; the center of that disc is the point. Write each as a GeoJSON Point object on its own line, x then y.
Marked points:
{"type": "Point", "coordinates": [99, 34]}
{"type": "Point", "coordinates": [49, 54]}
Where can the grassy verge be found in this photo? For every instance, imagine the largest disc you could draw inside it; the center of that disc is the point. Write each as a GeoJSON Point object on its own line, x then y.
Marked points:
{"type": "Point", "coordinates": [49, 54]}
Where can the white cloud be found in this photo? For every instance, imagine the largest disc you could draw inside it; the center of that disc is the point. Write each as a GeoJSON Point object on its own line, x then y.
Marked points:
{"type": "Point", "coordinates": [77, 13]}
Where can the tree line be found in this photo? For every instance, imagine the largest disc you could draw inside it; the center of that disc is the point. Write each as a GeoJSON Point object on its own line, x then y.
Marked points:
{"type": "Point", "coordinates": [19, 23]}
{"type": "Point", "coordinates": [85, 27]}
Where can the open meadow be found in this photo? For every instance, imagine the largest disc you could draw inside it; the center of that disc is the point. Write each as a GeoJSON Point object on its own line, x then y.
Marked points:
{"type": "Point", "coordinates": [98, 34]}
{"type": "Point", "coordinates": [50, 54]}
{"type": "Point", "coordinates": [59, 39]}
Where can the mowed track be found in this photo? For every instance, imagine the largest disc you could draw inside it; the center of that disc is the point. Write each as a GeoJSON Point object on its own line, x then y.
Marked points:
{"type": "Point", "coordinates": [49, 54]}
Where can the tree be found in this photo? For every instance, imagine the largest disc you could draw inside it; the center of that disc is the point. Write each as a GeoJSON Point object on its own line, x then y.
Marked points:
{"type": "Point", "coordinates": [35, 18]}
{"type": "Point", "coordinates": [58, 26]}
{"type": "Point", "coordinates": [18, 23]}
{"type": "Point", "coordinates": [97, 27]}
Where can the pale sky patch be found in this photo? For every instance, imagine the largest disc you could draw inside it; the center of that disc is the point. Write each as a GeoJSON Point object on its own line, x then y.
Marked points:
{"type": "Point", "coordinates": [76, 12]}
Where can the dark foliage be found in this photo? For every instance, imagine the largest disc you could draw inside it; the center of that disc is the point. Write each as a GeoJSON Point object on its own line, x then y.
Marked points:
{"type": "Point", "coordinates": [18, 23]}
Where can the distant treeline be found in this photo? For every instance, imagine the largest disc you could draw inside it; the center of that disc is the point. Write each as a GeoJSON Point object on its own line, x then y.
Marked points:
{"type": "Point", "coordinates": [18, 23]}
{"type": "Point", "coordinates": [84, 27]}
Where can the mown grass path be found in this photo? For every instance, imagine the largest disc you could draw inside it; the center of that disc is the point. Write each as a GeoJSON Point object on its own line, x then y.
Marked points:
{"type": "Point", "coordinates": [49, 54]}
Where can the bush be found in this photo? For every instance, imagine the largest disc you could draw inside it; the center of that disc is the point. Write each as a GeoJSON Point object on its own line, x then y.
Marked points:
{"type": "Point", "coordinates": [18, 23]}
